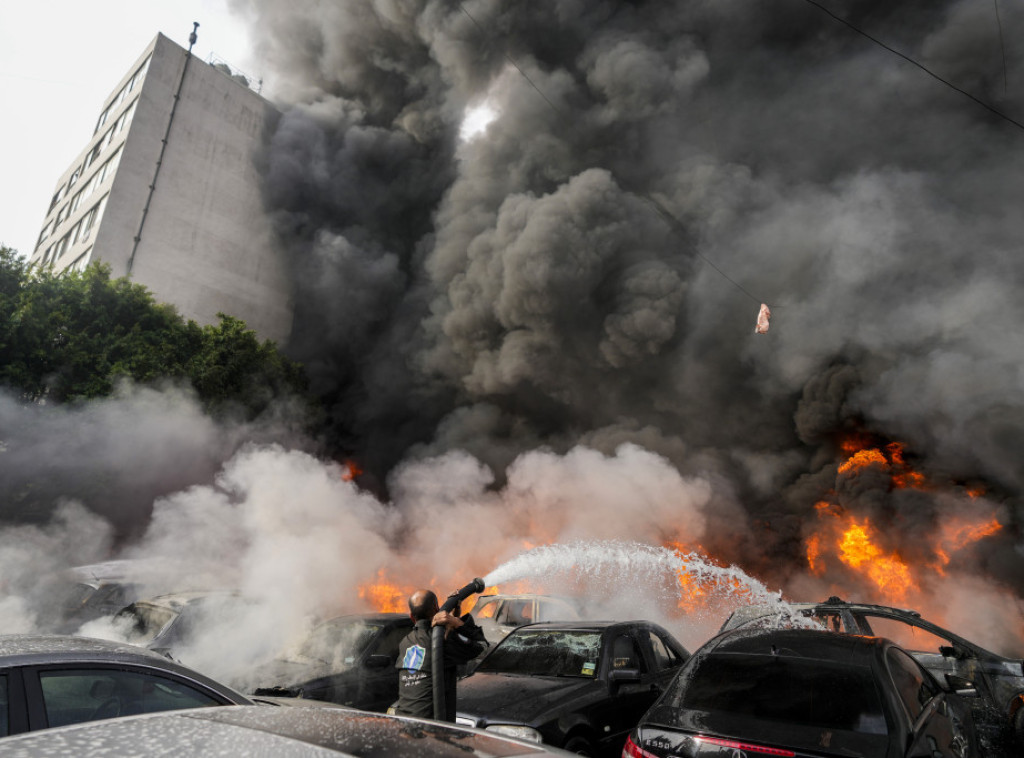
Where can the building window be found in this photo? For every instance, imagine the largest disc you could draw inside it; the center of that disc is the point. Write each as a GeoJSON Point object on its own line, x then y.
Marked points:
{"type": "Point", "coordinates": [62, 214]}
{"type": "Point", "coordinates": [57, 197]}
{"type": "Point", "coordinates": [81, 261]}
{"type": "Point", "coordinates": [45, 233]}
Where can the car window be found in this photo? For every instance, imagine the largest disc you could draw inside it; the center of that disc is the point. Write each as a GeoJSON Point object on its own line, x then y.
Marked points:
{"type": "Point", "coordinates": [75, 695]}
{"type": "Point", "coordinates": [814, 693]}
{"type": "Point", "coordinates": [339, 643]}
{"type": "Point", "coordinates": [546, 652]}
{"type": "Point", "coordinates": [487, 610]}
{"type": "Point", "coordinates": [147, 621]}
{"type": "Point", "coordinates": [387, 643]}
{"type": "Point", "coordinates": [625, 654]}
{"type": "Point", "coordinates": [4, 718]}
{"type": "Point", "coordinates": [555, 610]}
{"type": "Point", "coordinates": [518, 612]}
{"type": "Point", "coordinates": [664, 656]}
{"type": "Point", "coordinates": [913, 685]}
{"type": "Point", "coordinates": [829, 620]}
{"type": "Point", "coordinates": [905, 635]}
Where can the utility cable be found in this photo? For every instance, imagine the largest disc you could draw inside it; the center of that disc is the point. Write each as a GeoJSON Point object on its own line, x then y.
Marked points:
{"type": "Point", "coordinates": [907, 58]}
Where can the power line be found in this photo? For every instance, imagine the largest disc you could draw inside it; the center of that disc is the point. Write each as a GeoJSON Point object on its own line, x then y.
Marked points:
{"type": "Point", "coordinates": [907, 58]}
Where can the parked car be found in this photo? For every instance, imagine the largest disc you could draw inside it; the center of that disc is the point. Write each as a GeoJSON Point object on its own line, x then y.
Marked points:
{"type": "Point", "coordinates": [498, 615]}
{"type": "Point", "coordinates": [55, 680]}
{"type": "Point", "coordinates": [806, 694]}
{"type": "Point", "coordinates": [577, 685]}
{"type": "Point", "coordinates": [993, 684]}
{"type": "Point", "coordinates": [277, 732]}
{"type": "Point", "coordinates": [168, 623]}
{"type": "Point", "coordinates": [348, 660]}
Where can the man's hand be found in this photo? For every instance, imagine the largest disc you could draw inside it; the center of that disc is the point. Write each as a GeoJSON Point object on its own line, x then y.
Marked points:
{"type": "Point", "coordinates": [448, 620]}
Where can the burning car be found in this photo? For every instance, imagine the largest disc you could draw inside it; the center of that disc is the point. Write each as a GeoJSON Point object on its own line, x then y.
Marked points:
{"type": "Point", "coordinates": [581, 686]}
{"type": "Point", "coordinates": [168, 623]}
{"type": "Point", "coordinates": [349, 660]}
{"type": "Point", "coordinates": [806, 694]}
{"type": "Point", "coordinates": [993, 684]}
{"type": "Point", "coordinates": [498, 615]}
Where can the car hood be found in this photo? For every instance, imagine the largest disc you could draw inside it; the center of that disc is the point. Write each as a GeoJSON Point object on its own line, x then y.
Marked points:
{"type": "Point", "coordinates": [521, 699]}
{"type": "Point", "coordinates": [290, 673]}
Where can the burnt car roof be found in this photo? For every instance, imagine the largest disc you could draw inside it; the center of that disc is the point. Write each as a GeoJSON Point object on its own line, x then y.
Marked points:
{"type": "Point", "coordinates": [25, 649]}
{"type": "Point", "coordinates": [799, 643]}
{"type": "Point", "coordinates": [586, 626]}
{"type": "Point", "coordinates": [237, 730]}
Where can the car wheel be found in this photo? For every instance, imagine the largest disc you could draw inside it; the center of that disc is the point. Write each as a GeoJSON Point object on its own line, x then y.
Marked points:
{"type": "Point", "coordinates": [579, 745]}
{"type": "Point", "coordinates": [1018, 726]}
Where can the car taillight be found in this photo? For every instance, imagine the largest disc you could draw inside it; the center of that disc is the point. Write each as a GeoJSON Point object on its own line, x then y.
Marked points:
{"type": "Point", "coordinates": [746, 746]}
{"type": "Point", "coordinates": [632, 750]}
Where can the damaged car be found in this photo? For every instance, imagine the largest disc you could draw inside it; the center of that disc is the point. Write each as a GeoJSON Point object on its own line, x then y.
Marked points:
{"type": "Point", "coordinates": [804, 693]}
{"type": "Point", "coordinates": [580, 686]}
{"type": "Point", "coordinates": [348, 660]}
{"type": "Point", "coordinates": [992, 684]}
{"type": "Point", "coordinates": [498, 615]}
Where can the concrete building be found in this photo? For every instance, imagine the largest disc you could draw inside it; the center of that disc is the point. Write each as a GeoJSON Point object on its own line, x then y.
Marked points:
{"type": "Point", "coordinates": [167, 193]}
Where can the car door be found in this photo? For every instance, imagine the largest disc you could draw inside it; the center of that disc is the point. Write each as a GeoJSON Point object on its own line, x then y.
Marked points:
{"type": "Point", "coordinates": [940, 725]}
{"type": "Point", "coordinates": [379, 677]}
{"type": "Point", "coordinates": [628, 698]}
{"type": "Point", "coordinates": [60, 695]}
{"type": "Point", "coordinates": [952, 665]}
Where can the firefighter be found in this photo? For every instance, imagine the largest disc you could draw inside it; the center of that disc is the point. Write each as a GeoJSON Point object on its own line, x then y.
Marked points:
{"type": "Point", "coordinates": [463, 641]}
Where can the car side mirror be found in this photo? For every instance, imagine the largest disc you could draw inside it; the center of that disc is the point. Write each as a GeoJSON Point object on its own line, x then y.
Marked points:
{"type": "Point", "coordinates": [961, 686]}
{"type": "Point", "coordinates": [621, 676]}
{"type": "Point", "coordinates": [378, 661]}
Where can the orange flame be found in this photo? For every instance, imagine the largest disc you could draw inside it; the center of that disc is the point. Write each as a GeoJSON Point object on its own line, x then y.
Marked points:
{"type": "Point", "coordinates": [889, 572]}
{"type": "Point", "coordinates": [861, 460]}
{"type": "Point", "coordinates": [350, 470]}
{"type": "Point", "coordinates": [385, 596]}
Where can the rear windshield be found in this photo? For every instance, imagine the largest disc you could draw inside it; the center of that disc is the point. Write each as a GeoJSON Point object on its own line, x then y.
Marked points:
{"type": "Point", "coordinates": [546, 653]}
{"type": "Point", "coordinates": [798, 691]}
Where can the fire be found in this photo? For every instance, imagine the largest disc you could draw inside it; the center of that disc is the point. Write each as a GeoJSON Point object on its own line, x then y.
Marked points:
{"type": "Point", "coordinates": [861, 460]}
{"type": "Point", "coordinates": [385, 596]}
{"type": "Point", "coordinates": [843, 541]}
{"type": "Point", "coordinates": [889, 572]}
{"type": "Point", "coordinates": [958, 535]}
{"type": "Point", "coordinates": [350, 470]}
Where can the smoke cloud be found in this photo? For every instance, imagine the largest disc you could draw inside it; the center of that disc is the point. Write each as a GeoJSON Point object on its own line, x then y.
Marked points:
{"type": "Point", "coordinates": [544, 332]}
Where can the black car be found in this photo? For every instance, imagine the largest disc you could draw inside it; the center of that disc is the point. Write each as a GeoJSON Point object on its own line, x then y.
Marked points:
{"type": "Point", "coordinates": [578, 685]}
{"type": "Point", "coordinates": [806, 694]}
{"type": "Point", "coordinates": [349, 660]}
{"type": "Point", "coordinates": [54, 680]}
{"type": "Point", "coordinates": [992, 684]}
{"type": "Point", "coordinates": [277, 732]}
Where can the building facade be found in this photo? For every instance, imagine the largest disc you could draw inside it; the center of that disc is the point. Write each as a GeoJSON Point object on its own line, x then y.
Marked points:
{"type": "Point", "coordinates": [167, 193]}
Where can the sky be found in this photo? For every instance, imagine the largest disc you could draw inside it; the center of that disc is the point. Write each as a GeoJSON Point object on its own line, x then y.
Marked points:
{"type": "Point", "coordinates": [59, 60]}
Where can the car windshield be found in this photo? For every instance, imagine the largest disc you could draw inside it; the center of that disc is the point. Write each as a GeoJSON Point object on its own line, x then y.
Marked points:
{"type": "Point", "coordinates": [338, 643]}
{"type": "Point", "coordinates": [546, 652]}
{"type": "Point", "coordinates": [147, 621]}
{"type": "Point", "coordinates": [799, 691]}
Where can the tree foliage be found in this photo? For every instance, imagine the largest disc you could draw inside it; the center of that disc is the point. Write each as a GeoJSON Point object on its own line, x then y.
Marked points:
{"type": "Point", "coordinates": [71, 335]}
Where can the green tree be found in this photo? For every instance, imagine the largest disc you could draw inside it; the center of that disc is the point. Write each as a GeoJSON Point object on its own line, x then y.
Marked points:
{"type": "Point", "coordinates": [72, 335]}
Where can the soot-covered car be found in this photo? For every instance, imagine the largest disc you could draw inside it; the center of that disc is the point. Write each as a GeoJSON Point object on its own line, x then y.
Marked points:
{"type": "Point", "coordinates": [169, 623]}
{"type": "Point", "coordinates": [498, 615]}
{"type": "Point", "coordinates": [580, 686]}
{"type": "Point", "coordinates": [992, 684]}
{"type": "Point", "coordinates": [349, 660]}
{"type": "Point", "coordinates": [54, 680]}
{"type": "Point", "coordinates": [277, 732]}
{"type": "Point", "coordinates": [805, 694]}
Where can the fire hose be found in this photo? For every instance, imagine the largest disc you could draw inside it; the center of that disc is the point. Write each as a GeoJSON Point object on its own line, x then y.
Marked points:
{"type": "Point", "coordinates": [437, 646]}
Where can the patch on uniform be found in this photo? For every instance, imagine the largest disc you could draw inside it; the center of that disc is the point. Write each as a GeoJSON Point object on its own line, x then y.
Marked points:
{"type": "Point", "coordinates": [414, 657]}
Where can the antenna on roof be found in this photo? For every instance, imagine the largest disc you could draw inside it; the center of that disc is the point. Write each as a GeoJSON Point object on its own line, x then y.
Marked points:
{"type": "Point", "coordinates": [193, 36]}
